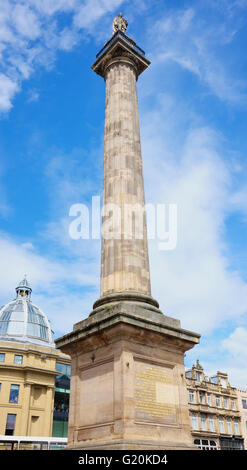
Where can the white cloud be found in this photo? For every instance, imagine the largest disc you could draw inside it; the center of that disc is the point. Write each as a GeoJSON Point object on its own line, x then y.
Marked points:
{"type": "Point", "coordinates": [92, 10]}
{"type": "Point", "coordinates": [31, 34]}
{"type": "Point", "coordinates": [50, 7]}
{"type": "Point", "coordinates": [193, 282]}
{"type": "Point", "coordinates": [67, 39]}
{"type": "Point", "coordinates": [238, 200]}
{"type": "Point", "coordinates": [17, 259]}
{"type": "Point", "coordinates": [217, 353]}
{"type": "Point", "coordinates": [179, 21]}
{"type": "Point", "coordinates": [8, 89]}
{"type": "Point", "coordinates": [185, 38]}
{"type": "Point", "coordinates": [28, 245]}
{"type": "Point", "coordinates": [228, 355]}
{"type": "Point", "coordinates": [33, 96]}
{"type": "Point", "coordinates": [235, 344]}
{"type": "Point", "coordinates": [64, 309]}
{"type": "Point", "coordinates": [64, 289]}
{"type": "Point", "coordinates": [68, 183]}
{"type": "Point", "coordinates": [25, 21]}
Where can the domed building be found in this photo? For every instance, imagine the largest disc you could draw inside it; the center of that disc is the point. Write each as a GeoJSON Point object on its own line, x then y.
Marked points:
{"type": "Point", "coordinates": [31, 371]}
{"type": "Point", "coordinates": [21, 320]}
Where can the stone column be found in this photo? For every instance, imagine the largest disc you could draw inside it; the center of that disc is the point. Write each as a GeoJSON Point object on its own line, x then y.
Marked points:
{"type": "Point", "coordinates": [49, 409]}
{"type": "Point", "coordinates": [124, 257]}
{"type": "Point", "coordinates": [128, 389]}
{"type": "Point", "coordinates": [25, 412]}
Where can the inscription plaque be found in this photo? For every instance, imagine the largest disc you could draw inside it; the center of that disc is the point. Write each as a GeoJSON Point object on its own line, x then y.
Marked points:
{"type": "Point", "coordinates": [155, 394]}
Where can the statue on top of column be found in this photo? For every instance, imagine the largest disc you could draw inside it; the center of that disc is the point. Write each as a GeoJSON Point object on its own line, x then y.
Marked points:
{"type": "Point", "coordinates": [119, 24]}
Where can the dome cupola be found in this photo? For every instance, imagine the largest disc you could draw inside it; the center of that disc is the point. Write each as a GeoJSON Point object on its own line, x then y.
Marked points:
{"type": "Point", "coordinates": [23, 288]}
{"type": "Point", "coordinates": [21, 320]}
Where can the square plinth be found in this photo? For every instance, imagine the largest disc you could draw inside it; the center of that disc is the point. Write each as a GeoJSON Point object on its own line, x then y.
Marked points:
{"type": "Point", "coordinates": [128, 388]}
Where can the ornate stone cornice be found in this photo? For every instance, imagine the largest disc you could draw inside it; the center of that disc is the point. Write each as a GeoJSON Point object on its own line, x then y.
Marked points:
{"type": "Point", "coordinates": [120, 47]}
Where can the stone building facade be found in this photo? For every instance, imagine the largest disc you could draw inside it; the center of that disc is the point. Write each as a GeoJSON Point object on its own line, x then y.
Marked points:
{"type": "Point", "coordinates": [214, 411]}
{"type": "Point", "coordinates": [242, 406]}
{"type": "Point", "coordinates": [29, 365]}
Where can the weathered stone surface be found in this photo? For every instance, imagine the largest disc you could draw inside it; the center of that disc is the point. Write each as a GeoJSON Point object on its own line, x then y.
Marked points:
{"type": "Point", "coordinates": [128, 380]}
{"type": "Point", "coordinates": [132, 314]}
{"type": "Point", "coordinates": [124, 262]}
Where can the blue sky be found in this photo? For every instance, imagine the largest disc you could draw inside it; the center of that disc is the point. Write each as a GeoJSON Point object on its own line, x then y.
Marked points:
{"type": "Point", "coordinates": [192, 103]}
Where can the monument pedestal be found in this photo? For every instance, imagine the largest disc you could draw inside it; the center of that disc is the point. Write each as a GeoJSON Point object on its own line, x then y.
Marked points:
{"type": "Point", "coordinates": [128, 388]}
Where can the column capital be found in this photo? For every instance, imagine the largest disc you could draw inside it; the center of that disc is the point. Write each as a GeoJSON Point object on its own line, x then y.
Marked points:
{"type": "Point", "coordinates": [124, 60]}
{"type": "Point", "coordinates": [118, 47]}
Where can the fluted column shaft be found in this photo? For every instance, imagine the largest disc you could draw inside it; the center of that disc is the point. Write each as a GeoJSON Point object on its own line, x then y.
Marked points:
{"type": "Point", "coordinates": [124, 258]}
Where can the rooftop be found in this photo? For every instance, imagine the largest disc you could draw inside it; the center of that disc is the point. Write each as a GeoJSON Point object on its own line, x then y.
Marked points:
{"type": "Point", "coordinates": [21, 320]}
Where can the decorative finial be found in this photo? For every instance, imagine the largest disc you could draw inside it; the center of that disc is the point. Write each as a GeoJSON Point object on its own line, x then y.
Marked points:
{"type": "Point", "coordinates": [23, 289]}
{"type": "Point", "coordinates": [119, 24]}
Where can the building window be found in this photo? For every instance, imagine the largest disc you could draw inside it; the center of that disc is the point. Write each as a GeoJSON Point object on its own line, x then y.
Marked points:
{"type": "Point", "coordinates": [236, 427]}
{"type": "Point", "coordinates": [2, 357]}
{"type": "Point", "coordinates": [194, 422]}
{"type": "Point", "coordinates": [233, 404]}
{"type": "Point", "coordinates": [18, 359]}
{"type": "Point", "coordinates": [221, 425]}
{"type": "Point", "coordinates": [209, 400]}
{"type": "Point", "coordinates": [0, 387]}
{"type": "Point", "coordinates": [201, 397]}
{"type": "Point", "coordinates": [211, 424]}
{"type": "Point", "coordinates": [64, 369]}
{"type": "Point", "coordinates": [214, 380]}
{"type": "Point", "coordinates": [229, 426]}
{"type": "Point", "coordinates": [188, 374]}
{"type": "Point", "coordinates": [217, 401]}
{"type": "Point", "coordinates": [205, 444]}
{"type": "Point", "coordinates": [4, 323]}
{"type": "Point", "coordinates": [244, 404]}
{"type": "Point", "coordinates": [203, 422]}
{"type": "Point", "coordinates": [229, 443]}
{"type": "Point", "coordinates": [225, 402]}
{"type": "Point", "coordinates": [36, 325]}
{"type": "Point", "coordinates": [191, 396]}
{"type": "Point", "coordinates": [198, 376]}
{"type": "Point", "coordinates": [14, 393]}
{"type": "Point", "coordinates": [61, 400]}
{"type": "Point", "coordinates": [10, 425]}
{"type": "Point", "coordinates": [223, 382]}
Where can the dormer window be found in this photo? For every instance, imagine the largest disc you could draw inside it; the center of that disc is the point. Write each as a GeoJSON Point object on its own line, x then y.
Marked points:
{"type": "Point", "coordinates": [223, 383]}
{"type": "Point", "coordinates": [198, 376]}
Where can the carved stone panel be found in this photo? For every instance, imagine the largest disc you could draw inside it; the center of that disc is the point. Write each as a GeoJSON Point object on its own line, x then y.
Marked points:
{"type": "Point", "coordinates": [96, 395]}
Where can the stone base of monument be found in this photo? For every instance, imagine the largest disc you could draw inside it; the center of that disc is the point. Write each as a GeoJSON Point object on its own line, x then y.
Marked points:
{"type": "Point", "coordinates": [128, 388]}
